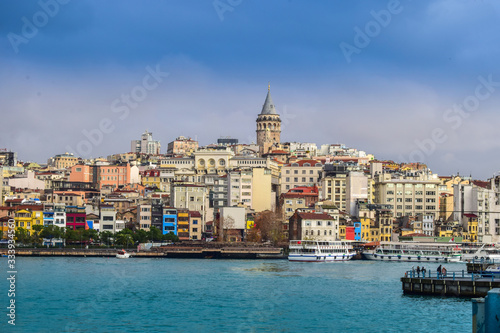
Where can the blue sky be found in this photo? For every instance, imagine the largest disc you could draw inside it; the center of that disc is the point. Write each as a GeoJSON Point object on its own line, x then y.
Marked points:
{"type": "Point", "coordinates": [393, 97]}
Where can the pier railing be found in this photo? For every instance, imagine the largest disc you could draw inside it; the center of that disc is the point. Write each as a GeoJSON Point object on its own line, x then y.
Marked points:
{"type": "Point", "coordinates": [451, 275]}
{"type": "Point", "coordinates": [485, 261]}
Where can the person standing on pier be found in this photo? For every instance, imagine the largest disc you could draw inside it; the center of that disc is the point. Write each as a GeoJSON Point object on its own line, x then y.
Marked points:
{"type": "Point", "coordinates": [439, 270]}
{"type": "Point", "coordinates": [418, 271]}
{"type": "Point", "coordinates": [423, 271]}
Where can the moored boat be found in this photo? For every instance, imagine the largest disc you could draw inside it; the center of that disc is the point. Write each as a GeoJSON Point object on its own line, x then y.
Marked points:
{"type": "Point", "coordinates": [410, 251]}
{"type": "Point", "coordinates": [476, 252]}
{"type": "Point", "coordinates": [320, 251]}
{"type": "Point", "coordinates": [491, 271]}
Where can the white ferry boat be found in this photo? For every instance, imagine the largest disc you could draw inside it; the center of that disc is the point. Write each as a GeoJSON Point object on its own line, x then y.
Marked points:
{"type": "Point", "coordinates": [420, 252]}
{"type": "Point", "coordinates": [320, 251]}
{"type": "Point", "coordinates": [476, 252]}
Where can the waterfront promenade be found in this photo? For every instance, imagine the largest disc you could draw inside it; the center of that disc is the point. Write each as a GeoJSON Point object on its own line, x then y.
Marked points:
{"type": "Point", "coordinates": [212, 252]}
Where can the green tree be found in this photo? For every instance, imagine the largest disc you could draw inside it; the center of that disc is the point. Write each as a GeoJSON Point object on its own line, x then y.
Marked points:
{"type": "Point", "coordinates": [36, 235]}
{"type": "Point", "coordinates": [124, 239]}
{"type": "Point", "coordinates": [170, 237]}
{"type": "Point", "coordinates": [155, 234]}
{"type": "Point", "coordinates": [106, 237]}
{"type": "Point", "coordinates": [141, 236]}
{"type": "Point", "coordinates": [90, 235]}
{"type": "Point", "coordinates": [22, 235]}
{"type": "Point", "coordinates": [72, 235]}
{"type": "Point", "coordinates": [51, 232]}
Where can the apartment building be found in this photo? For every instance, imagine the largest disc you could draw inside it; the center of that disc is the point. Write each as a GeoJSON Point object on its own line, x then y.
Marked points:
{"type": "Point", "coordinates": [413, 195]}
{"type": "Point", "coordinates": [300, 173]}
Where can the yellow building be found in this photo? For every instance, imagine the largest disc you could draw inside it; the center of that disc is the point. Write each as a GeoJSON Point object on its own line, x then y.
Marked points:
{"type": "Point", "coordinates": [151, 178]}
{"type": "Point", "coordinates": [471, 234]}
{"type": "Point", "coordinates": [183, 224]}
{"type": "Point", "coordinates": [374, 235]}
{"type": "Point", "coordinates": [62, 161]}
{"type": "Point", "coordinates": [342, 230]}
{"type": "Point", "coordinates": [365, 228]}
{"type": "Point", "coordinates": [27, 216]}
{"type": "Point", "coordinates": [446, 195]}
{"type": "Point", "coordinates": [444, 230]}
{"type": "Point", "coordinates": [262, 196]}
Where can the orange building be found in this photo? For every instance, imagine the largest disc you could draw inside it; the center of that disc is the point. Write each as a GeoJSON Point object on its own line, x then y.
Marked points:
{"type": "Point", "coordinates": [103, 175]}
{"type": "Point", "coordinates": [113, 175]}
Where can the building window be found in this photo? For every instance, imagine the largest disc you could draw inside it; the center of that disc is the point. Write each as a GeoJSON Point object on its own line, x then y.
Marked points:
{"type": "Point", "coordinates": [318, 223]}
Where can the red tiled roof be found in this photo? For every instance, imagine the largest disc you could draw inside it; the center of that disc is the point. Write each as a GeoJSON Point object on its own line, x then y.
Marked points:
{"type": "Point", "coordinates": [30, 207]}
{"type": "Point", "coordinates": [315, 216]}
{"type": "Point", "coordinates": [481, 183]}
{"type": "Point", "coordinates": [14, 200]}
{"type": "Point", "coordinates": [304, 189]}
{"type": "Point", "coordinates": [470, 215]}
{"type": "Point", "coordinates": [150, 173]}
{"type": "Point", "coordinates": [194, 214]}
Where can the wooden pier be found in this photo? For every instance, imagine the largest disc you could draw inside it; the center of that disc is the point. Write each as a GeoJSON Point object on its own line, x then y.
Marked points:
{"type": "Point", "coordinates": [454, 284]}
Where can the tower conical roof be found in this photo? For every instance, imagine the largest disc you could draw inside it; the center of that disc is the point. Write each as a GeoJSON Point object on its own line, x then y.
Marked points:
{"type": "Point", "coordinates": [268, 107]}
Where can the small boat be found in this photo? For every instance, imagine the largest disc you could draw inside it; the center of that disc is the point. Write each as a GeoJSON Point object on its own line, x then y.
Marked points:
{"type": "Point", "coordinates": [320, 251]}
{"type": "Point", "coordinates": [491, 271]}
{"type": "Point", "coordinates": [122, 254]}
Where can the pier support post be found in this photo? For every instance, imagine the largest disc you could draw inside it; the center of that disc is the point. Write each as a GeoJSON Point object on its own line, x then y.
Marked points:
{"type": "Point", "coordinates": [478, 325]}
{"type": "Point", "coordinates": [492, 311]}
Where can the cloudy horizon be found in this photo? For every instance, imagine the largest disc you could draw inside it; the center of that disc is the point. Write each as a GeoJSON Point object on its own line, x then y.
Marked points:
{"type": "Point", "coordinates": [402, 80]}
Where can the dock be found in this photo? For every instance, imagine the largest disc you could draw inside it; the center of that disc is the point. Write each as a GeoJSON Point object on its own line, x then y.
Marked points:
{"type": "Point", "coordinates": [475, 266]}
{"type": "Point", "coordinates": [454, 284]}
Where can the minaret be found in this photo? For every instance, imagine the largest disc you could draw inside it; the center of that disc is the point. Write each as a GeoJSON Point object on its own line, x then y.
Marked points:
{"type": "Point", "coordinates": [268, 125]}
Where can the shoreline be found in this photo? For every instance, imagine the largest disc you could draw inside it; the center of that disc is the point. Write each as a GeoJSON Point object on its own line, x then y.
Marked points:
{"type": "Point", "coordinates": [177, 252]}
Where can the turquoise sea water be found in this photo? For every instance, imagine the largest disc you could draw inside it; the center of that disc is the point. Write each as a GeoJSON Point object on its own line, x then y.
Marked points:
{"type": "Point", "coordinates": [175, 295]}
